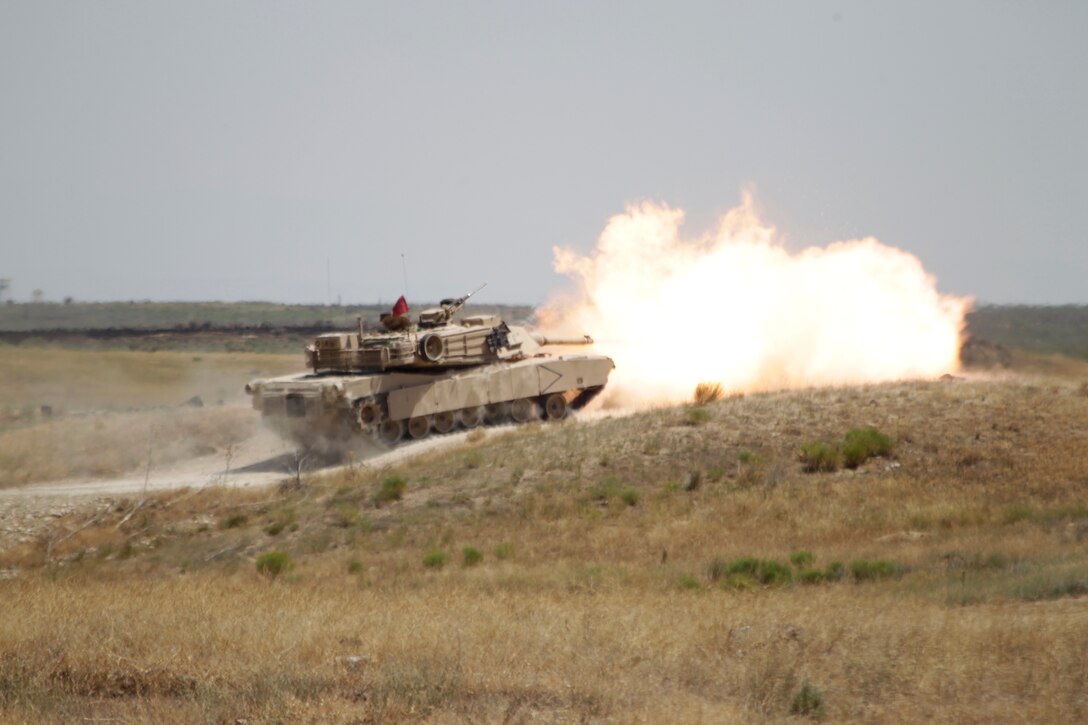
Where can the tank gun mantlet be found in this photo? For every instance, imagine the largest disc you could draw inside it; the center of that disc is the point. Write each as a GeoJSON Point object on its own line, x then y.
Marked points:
{"type": "Point", "coordinates": [508, 342]}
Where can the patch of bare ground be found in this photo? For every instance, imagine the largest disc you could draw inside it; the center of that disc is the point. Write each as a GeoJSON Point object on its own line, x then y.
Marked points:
{"type": "Point", "coordinates": [659, 566]}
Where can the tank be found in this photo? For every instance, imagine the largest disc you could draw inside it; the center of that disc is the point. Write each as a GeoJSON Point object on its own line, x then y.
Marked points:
{"type": "Point", "coordinates": [431, 375]}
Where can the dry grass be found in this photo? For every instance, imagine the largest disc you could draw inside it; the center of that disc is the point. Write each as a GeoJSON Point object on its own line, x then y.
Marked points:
{"type": "Point", "coordinates": [469, 644]}
{"type": "Point", "coordinates": [604, 605]}
{"type": "Point", "coordinates": [117, 380]}
{"type": "Point", "coordinates": [109, 408]}
{"type": "Point", "coordinates": [110, 444]}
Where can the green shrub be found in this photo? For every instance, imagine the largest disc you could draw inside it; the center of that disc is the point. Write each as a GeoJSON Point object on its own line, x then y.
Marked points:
{"type": "Point", "coordinates": [707, 393]}
{"type": "Point", "coordinates": [835, 571]}
{"type": "Point", "coordinates": [808, 702]}
{"type": "Point", "coordinates": [434, 559]}
{"type": "Point", "coordinates": [234, 522]}
{"type": "Point", "coordinates": [746, 565]}
{"type": "Point", "coordinates": [698, 416]}
{"type": "Point", "coordinates": [802, 559]}
{"type": "Point", "coordinates": [740, 582]}
{"type": "Point", "coordinates": [504, 551]}
{"type": "Point", "coordinates": [749, 571]}
{"type": "Point", "coordinates": [689, 582]}
{"type": "Point", "coordinates": [608, 491]}
{"type": "Point", "coordinates": [283, 518]}
{"type": "Point", "coordinates": [392, 489]}
{"type": "Point", "coordinates": [853, 455]}
{"type": "Point", "coordinates": [355, 566]}
{"type": "Point", "coordinates": [858, 446]}
{"type": "Point", "coordinates": [472, 555]}
{"type": "Point", "coordinates": [861, 444]}
{"type": "Point", "coordinates": [877, 443]}
{"type": "Point", "coordinates": [811, 576]}
{"type": "Point", "coordinates": [273, 563]}
{"type": "Point", "coordinates": [773, 573]}
{"type": "Point", "coordinates": [819, 456]}
{"type": "Point", "coordinates": [746, 457]}
{"type": "Point", "coordinates": [865, 570]}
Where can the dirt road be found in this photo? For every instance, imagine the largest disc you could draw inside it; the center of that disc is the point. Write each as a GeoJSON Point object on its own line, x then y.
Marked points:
{"type": "Point", "coordinates": [261, 460]}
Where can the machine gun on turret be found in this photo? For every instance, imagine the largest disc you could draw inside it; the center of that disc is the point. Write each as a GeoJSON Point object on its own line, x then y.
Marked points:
{"type": "Point", "coordinates": [443, 314]}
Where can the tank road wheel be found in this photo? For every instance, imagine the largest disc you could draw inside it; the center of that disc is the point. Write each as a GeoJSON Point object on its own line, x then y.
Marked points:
{"type": "Point", "coordinates": [444, 421]}
{"type": "Point", "coordinates": [496, 412]}
{"type": "Point", "coordinates": [370, 413]}
{"type": "Point", "coordinates": [472, 417]}
{"type": "Point", "coordinates": [419, 427]}
{"type": "Point", "coordinates": [522, 410]}
{"type": "Point", "coordinates": [555, 406]}
{"type": "Point", "coordinates": [391, 430]}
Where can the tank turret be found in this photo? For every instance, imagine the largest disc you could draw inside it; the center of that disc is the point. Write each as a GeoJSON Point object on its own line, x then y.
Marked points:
{"type": "Point", "coordinates": [430, 374]}
{"type": "Point", "coordinates": [433, 342]}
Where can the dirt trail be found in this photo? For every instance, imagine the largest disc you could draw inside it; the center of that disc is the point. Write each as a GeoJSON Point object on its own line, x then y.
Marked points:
{"type": "Point", "coordinates": [261, 460]}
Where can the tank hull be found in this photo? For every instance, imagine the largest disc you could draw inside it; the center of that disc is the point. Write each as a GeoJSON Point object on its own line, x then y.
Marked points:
{"type": "Point", "coordinates": [331, 407]}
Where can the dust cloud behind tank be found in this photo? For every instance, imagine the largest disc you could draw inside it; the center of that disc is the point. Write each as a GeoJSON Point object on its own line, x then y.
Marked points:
{"type": "Point", "coordinates": [431, 375]}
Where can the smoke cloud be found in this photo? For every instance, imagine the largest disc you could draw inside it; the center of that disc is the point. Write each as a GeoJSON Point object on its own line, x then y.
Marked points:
{"type": "Point", "coordinates": [735, 307]}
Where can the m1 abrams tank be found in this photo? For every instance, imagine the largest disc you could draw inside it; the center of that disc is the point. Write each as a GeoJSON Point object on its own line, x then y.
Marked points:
{"type": "Point", "coordinates": [433, 375]}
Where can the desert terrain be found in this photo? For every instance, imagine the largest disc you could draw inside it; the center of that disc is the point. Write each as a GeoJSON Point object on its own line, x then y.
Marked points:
{"type": "Point", "coordinates": [912, 551]}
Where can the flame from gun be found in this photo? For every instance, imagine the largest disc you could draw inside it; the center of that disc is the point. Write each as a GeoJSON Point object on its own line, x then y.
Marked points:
{"type": "Point", "coordinates": [735, 306]}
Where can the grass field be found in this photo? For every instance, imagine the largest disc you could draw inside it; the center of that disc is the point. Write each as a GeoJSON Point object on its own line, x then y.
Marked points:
{"type": "Point", "coordinates": [81, 380]}
{"type": "Point", "coordinates": [104, 409]}
{"type": "Point", "coordinates": [673, 565]}
{"type": "Point", "coordinates": [1042, 330]}
{"type": "Point", "coordinates": [98, 315]}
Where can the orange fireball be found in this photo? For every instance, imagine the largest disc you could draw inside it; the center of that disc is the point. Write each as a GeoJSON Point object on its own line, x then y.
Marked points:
{"type": "Point", "coordinates": [736, 307]}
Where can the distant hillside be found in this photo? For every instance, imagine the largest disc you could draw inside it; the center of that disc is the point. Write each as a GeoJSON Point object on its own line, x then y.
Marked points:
{"type": "Point", "coordinates": [1045, 330]}
{"type": "Point", "coordinates": [158, 315]}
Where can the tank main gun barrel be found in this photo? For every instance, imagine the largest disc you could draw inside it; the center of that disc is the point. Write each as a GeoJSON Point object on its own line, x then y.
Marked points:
{"type": "Point", "coordinates": [545, 340]}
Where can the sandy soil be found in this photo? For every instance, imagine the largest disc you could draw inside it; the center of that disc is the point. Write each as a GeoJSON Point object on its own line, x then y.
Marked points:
{"type": "Point", "coordinates": [262, 460]}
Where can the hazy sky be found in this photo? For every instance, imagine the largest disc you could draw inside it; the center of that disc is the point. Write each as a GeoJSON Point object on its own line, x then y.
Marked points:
{"type": "Point", "coordinates": [239, 150]}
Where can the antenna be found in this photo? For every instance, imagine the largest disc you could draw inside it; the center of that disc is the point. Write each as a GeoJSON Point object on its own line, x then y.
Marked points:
{"type": "Point", "coordinates": [404, 271]}
{"type": "Point", "coordinates": [328, 283]}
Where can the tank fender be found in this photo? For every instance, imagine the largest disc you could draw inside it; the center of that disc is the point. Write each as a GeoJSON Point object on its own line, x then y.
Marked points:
{"type": "Point", "coordinates": [427, 399]}
{"type": "Point", "coordinates": [559, 374]}
{"type": "Point", "coordinates": [495, 385]}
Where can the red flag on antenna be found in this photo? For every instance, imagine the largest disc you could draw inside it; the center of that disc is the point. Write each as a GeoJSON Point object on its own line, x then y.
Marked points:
{"type": "Point", "coordinates": [401, 308]}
